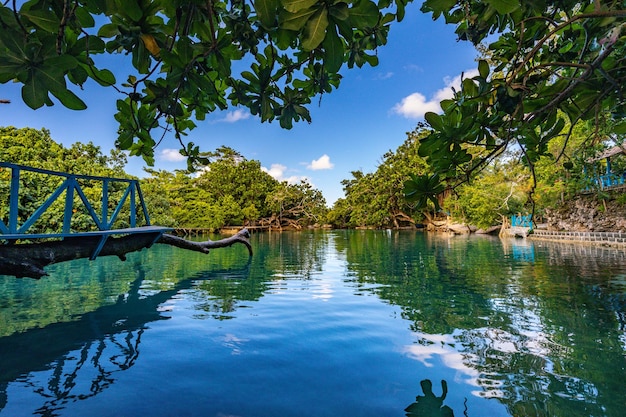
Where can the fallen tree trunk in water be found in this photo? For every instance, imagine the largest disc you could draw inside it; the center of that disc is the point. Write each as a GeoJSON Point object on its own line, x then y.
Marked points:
{"type": "Point", "coordinates": [28, 260]}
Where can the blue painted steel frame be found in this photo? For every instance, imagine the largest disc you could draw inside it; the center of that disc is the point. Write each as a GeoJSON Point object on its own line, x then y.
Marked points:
{"type": "Point", "coordinates": [71, 185]}
{"type": "Point", "coordinates": [522, 221]}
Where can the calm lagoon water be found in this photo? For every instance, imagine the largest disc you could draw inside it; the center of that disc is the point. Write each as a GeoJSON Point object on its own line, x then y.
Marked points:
{"type": "Point", "coordinates": [341, 323]}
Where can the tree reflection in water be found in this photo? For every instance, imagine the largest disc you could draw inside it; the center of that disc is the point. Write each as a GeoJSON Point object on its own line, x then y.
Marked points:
{"type": "Point", "coordinates": [87, 372]}
{"type": "Point", "coordinates": [538, 328]}
{"type": "Point", "coordinates": [77, 358]}
{"type": "Point", "coordinates": [519, 318]}
{"type": "Point", "coordinates": [72, 361]}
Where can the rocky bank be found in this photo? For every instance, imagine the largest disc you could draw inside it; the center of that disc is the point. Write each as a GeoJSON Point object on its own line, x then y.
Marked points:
{"type": "Point", "coordinates": [588, 214]}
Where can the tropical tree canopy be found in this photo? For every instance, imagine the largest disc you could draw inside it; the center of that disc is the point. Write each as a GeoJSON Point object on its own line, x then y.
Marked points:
{"type": "Point", "coordinates": [376, 199]}
{"type": "Point", "coordinates": [404, 189]}
{"type": "Point", "coordinates": [231, 191]}
{"type": "Point", "coordinates": [548, 67]}
{"type": "Point", "coordinates": [189, 57]}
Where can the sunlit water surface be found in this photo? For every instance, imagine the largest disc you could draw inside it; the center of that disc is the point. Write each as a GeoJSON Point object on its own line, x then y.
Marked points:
{"type": "Point", "coordinates": [342, 323]}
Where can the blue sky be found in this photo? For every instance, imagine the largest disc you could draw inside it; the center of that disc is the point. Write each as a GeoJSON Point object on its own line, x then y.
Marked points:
{"type": "Point", "coordinates": [352, 128]}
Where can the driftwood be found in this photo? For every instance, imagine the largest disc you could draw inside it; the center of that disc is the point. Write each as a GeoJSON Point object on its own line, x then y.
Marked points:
{"type": "Point", "coordinates": [28, 260]}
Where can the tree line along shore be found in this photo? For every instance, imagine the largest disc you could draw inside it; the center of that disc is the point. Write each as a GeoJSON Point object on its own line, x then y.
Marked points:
{"type": "Point", "coordinates": [233, 191]}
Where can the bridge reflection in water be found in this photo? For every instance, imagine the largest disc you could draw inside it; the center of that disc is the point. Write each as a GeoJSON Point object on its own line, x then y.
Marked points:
{"type": "Point", "coordinates": [72, 361]}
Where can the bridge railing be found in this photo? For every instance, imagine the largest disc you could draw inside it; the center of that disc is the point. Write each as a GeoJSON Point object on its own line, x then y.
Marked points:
{"type": "Point", "coordinates": [71, 186]}
{"type": "Point", "coordinates": [605, 182]}
{"type": "Point", "coordinates": [522, 221]}
{"type": "Point", "coordinates": [610, 180]}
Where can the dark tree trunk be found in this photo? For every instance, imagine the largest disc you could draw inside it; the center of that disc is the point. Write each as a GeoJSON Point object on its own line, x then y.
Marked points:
{"type": "Point", "coordinates": [28, 260]}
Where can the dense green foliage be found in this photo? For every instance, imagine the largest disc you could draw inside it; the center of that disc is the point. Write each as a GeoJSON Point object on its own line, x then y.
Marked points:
{"type": "Point", "coordinates": [189, 57]}
{"type": "Point", "coordinates": [499, 191]}
{"type": "Point", "coordinates": [36, 148]}
{"type": "Point", "coordinates": [506, 186]}
{"type": "Point", "coordinates": [376, 199]}
{"type": "Point", "coordinates": [548, 69]}
{"type": "Point", "coordinates": [550, 66]}
{"type": "Point", "coordinates": [231, 190]}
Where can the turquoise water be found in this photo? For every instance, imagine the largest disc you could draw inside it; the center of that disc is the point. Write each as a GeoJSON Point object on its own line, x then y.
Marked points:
{"type": "Point", "coordinates": [342, 323]}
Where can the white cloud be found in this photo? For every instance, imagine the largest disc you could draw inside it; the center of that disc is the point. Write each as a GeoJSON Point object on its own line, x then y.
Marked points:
{"type": "Point", "coordinates": [235, 116]}
{"type": "Point", "coordinates": [384, 76]}
{"type": "Point", "coordinates": [323, 162]}
{"type": "Point", "coordinates": [296, 179]}
{"type": "Point", "coordinates": [414, 106]}
{"type": "Point", "coordinates": [413, 68]}
{"type": "Point", "coordinates": [171, 155]}
{"type": "Point", "coordinates": [442, 348]}
{"type": "Point", "coordinates": [277, 171]}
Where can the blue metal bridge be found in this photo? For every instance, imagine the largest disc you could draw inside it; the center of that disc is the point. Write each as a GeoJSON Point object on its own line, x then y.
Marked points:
{"type": "Point", "coordinates": [71, 185]}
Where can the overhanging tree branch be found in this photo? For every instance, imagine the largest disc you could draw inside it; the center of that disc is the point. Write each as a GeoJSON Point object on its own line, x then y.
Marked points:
{"type": "Point", "coordinates": [29, 260]}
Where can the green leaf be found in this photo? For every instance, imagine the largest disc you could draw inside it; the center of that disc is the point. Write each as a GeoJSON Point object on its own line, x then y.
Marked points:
{"type": "Point", "coordinates": [585, 100]}
{"type": "Point", "coordinates": [437, 6]}
{"type": "Point", "coordinates": [266, 11]}
{"type": "Point", "coordinates": [315, 30]}
{"type": "Point", "coordinates": [566, 48]}
{"type": "Point", "coordinates": [428, 146]}
{"type": "Point", "coordinates": [434, 120]}
{"type": "Point", "coordinates": [469, 87]}
{"type": "Point", "coordinates": [45, 19]}
{"type": "Point", "coordinates": [123, 106]}
{"type": "Point", "coordinates": [15, 44]}
{"type": "Point", "coordinates": [294, 6]}
{"type": "Point", "coordinates": [286, 117]}
{"type": "Point", "coordinates": [103, 77]}
{"type": "Point", "coordinates": [364, 14]}
{"type": "Point", "coordinates": [84, 18]}
{"type": "Point", "coordinates": [77, 76]}
{"type": "Point", "coordinates": [108, 30]}
{"type": "Point", "coordinates": [421, 188]}
{"type": "Point", "coordinates": [8, 18]}
{"type": "Point", "coordinates": [283, 38]}
{"type": "Point", "coordinates": [125, 139]}
{"type": "Point", "coordinates": [34, 93]}
{"type": "Point", "coordinates": [295, 21]}
{"type": "Point", "coordinates": [52, 78]}
{"type": "Point", "coordinates": [69, 99]}
{"type": "Point", "coordinates": [556, 129]}
{"type": "Point", "coordinates": [10, 66]}
{"type": "Point", "coordinates": [131, 8]}
{"type": "Point", "coordinates": [95, 44]}
{"type": "Point", "coordinates": [504, 6]}
{"type": "Point", "coordinates": [185, 50]}
{"type": "Point", "coordinates": [447, 105]}
{"type": "Point", "coordinates": [333, 46]}
{"type": "Point", "coordinates": [267, 112]}
{"type": "Point", "coordinates": [483, 68]}
{"type": "Point", "coordinates": [62, 62]}
{"type": "Point", "coordinates": [141, 58]}
{"type": "Point", "coordinates": [339, 11]}
{"type": "Point", "coordinates": [401, 9]}
{"type": "Point", "coordinates": [620, 128]}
